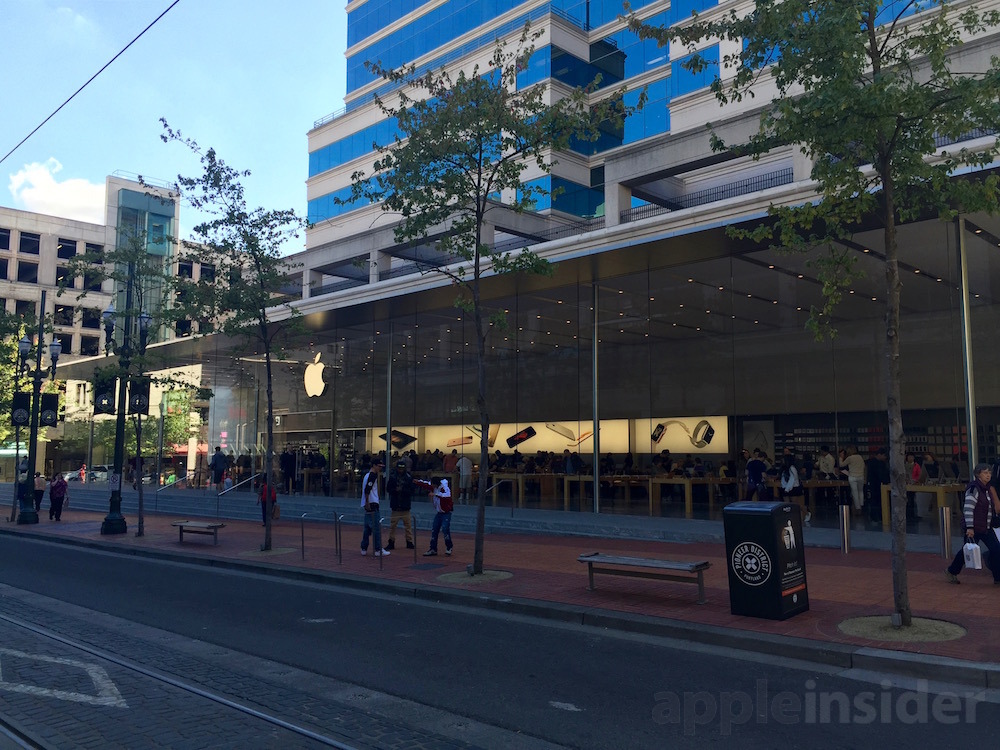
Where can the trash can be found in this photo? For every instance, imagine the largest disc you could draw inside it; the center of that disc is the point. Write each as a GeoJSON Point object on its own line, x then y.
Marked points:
{"type": "Point", "coordinates": [766, 560]}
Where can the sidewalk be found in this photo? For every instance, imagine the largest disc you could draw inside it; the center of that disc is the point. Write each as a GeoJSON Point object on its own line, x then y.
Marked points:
{"type": "Point", "coordinates": [547, 580]}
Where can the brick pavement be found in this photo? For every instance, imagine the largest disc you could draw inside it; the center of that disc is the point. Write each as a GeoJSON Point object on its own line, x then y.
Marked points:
{"type": "Point", "coordinates": [545, 570]}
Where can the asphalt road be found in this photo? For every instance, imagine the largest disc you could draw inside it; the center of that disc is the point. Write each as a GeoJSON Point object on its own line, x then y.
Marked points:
{"type": "Point", "coordinates": [571, 686]}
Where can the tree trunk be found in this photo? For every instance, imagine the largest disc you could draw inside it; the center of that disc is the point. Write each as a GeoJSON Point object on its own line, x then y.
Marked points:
{"type": "Point", "coordinates": [484, 424]}
{"type": "Point", "coordinates": [897, 439]}
{"type": "Point", "coordinates": [484, 417]}
{"type": "Point", "coordinates": [269, 450]}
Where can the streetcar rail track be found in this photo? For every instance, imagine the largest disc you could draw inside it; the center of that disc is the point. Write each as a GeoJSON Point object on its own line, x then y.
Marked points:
{"type": "Point", "coordinates": [167, 680]}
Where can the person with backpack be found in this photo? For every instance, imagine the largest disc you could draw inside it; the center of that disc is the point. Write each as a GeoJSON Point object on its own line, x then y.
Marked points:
{"type": "Point", "coordinates": [399, 487]}
{"type": "Point", "coordinates": [370, 503]}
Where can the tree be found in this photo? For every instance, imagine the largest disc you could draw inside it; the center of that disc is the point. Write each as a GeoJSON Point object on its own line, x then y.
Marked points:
{"type": "Point", "coordinates": [243, 245]}
{"type": "Point", "coordinates": [145, 288]}
{"type": "Point", "coordinates": [864, 88]}
{"type": "Point", "coordinates": [463, 148]}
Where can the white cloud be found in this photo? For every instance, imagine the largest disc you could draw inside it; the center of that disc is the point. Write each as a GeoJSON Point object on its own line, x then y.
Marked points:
{"type": "Point", "coordinates": [35, 188]}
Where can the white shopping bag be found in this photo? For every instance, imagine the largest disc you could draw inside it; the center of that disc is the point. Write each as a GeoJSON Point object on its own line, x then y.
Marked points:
{"type": "Point", "coordinates": [973, 556]}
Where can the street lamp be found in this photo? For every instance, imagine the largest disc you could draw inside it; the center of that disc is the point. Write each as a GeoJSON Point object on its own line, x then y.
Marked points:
{"type": "Point", "coordinates": [114, 522]}
{"type": "Point", "coordinates": [27, 513]}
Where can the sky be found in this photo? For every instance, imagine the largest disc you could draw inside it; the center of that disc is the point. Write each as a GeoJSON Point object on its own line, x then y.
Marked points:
{"type": "Point", "coordinates": [246, 77]}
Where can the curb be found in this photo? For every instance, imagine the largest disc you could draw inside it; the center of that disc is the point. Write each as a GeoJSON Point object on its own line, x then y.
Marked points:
{"type": "Point", "coordinates": [842, 656]}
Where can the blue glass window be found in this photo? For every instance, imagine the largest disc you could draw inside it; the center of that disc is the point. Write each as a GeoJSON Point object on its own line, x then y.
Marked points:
{"type": "Point", "coordinates": [375, 15]}
{"type": "Point", "coordinates": [352, 146]}
{"type": "Point", "coordinates": [327, 207]}
{"type": "Point", "coordinates": [681, 10]}
{"type": "Point", "coordinates": [653, 118]}
{"type": "Point", "coordinates": [606, 12]}
{"type": "Point", "coordinates": [623, 55]}
{"type": "Point", "coordinates": [570, 197]}
{"type": "Point", "coordinates": [684, 81]}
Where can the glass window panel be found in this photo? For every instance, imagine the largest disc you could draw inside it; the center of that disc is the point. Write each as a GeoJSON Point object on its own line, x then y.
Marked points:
{"type": "Point", "coordinates": [29, 243]}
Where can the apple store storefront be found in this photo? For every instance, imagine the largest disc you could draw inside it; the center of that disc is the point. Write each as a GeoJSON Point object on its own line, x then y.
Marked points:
{"type": "Point", "coordinates": [688, 344]}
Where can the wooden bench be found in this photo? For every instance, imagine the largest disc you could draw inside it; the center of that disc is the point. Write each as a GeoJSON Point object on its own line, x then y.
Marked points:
{"type": "Point", "coordinates": [668, 570]}
{"type": "Point", "coordinates": [199, 527]}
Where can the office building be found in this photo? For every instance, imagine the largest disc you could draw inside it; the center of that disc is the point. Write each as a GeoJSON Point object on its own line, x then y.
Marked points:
{"type": "Point", "coordinates": [656, 330]}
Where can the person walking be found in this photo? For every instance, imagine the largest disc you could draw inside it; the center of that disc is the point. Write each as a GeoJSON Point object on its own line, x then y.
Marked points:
{"type": "Point", "coordinates": [976, 523]}
{"type": "Point", "coordinates": [265, 496]}
{"type": "Point", "coordinates": [464, 467]}
{"type": "Point", "coordinates": [370, 503]}
{"type": "Point", "coordinates": [218, 466]}
{"type": "Point", "coordinates": [442, 519]}
{"type": "Point", "coordinates": [40, 486]}
{"type": "Point", "coordinates": [58, 492]}
{"type": "Point", "coordinates": [853, 468]}
{"type": "Point", "coordinates": [399, 487]}
{"type": "Point", "coordinates": [756, 486]}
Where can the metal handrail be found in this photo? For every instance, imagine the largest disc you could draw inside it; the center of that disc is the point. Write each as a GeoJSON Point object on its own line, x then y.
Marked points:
{"type": "Point", "coordinates": [171, 484]}
{"type": "Point", "coordinates": [239, 484]}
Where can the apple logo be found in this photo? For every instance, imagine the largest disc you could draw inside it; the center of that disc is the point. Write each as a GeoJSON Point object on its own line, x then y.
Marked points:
{"type": "Point", "coordinates": [313, 379]}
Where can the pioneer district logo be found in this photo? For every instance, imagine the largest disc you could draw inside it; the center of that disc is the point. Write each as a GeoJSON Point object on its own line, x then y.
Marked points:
{"type": "Point", "coordinates": [751, 563]}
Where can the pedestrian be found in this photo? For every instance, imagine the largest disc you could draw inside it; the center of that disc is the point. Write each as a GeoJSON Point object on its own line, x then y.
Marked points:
{"type": "Point", "coordinates": [58, 493]}
{"type": "Point", "coordinates": [218, 466]}
{"type": "Point", "coordinates": [40, 485]}
{"type": "Point", "coordinates": [756, 484]}
{"type": "Point", "coordinates": [441, 493]}
{"type": "Point", "coordinates": [83, 472]}
{"type": "Point", "coordinates": [370, 502]}
{"type": "Point", "coordinates": [853, 467]}
{"type": "Point", "coordinates": [464, 467]}
{"type": "Point", "coordinates": [976, 523]}
{"type": "Point", "coordinates": [266, 494]}
{"type": "Point", "coordinates": [399, 487]}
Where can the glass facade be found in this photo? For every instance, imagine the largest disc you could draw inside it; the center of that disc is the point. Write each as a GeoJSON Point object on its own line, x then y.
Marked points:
{"type": "Point", "coordinates": [684, 331]}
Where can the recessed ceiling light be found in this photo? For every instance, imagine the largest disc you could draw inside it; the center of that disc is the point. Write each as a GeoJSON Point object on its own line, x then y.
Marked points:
{"type": "Point", "coordinates": [937, 279]}
{"type": "Point", "coordinates": [770, 266]}
{"type": "Point", "coordinates": [916, 270]}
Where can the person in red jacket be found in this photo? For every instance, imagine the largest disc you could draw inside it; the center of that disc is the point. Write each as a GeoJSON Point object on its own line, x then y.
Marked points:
{"type": "Point", "coordinates": [266, 495]}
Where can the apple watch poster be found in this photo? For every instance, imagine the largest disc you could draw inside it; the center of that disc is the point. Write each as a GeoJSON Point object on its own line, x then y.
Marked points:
{"type": "Point", "coordinates": [698, 434]}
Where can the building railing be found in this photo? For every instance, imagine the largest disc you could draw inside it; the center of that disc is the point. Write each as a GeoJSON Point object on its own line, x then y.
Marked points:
{"type": "Point", "coordinates": [721, 192]}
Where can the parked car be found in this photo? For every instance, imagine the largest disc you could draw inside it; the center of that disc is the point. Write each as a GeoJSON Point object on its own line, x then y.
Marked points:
{"type": "Point", "coordinates": [99, 473]}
